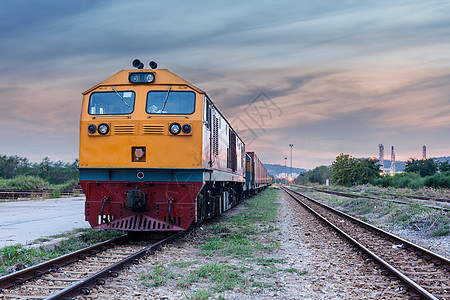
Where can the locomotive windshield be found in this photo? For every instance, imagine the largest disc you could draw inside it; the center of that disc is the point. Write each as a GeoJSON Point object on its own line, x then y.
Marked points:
{"type": "Point", "coordinates": [170, 102]}
{"type": "Point", "coordinates": [111, 103]}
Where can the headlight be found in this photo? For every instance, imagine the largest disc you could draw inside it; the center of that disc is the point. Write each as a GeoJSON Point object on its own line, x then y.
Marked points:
{"type": "Point", "coordinates": [92, 128]}
{"type": "Point", "coordinates": [186, 128]}
{"type": "Point", "coordinates": [141, 77]}
{"type": "Point", "coordinates": [103, 128]}
{"type": "Point", "coordinates": [174, 128]}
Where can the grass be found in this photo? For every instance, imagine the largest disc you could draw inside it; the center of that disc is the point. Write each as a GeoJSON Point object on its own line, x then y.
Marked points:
{"type": "Point", "coordinates": [387, 214]}
{"type": "Point", "coordinates": [235, 237]}
{"type": "Point", "coordinates": [441, 231]}
{"type": "Point", "coordinates": [269, 261]}
{"type": "Point", "coordinates": [17, 257]}
{"type": "Point", "coordinates": [23, 182]}
{"type": "Point", "coordinates": [200, 295]}
{"type": "Point", "coordinates": [184, 264]}
{"type": "Point", "coordinates": [157, 277]}
{"type": "Point", "coordinates": [226, 277]}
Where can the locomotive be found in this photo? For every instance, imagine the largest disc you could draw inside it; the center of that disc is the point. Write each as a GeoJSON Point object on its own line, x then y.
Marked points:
{"type": "Point", "coordinates": [156, 154]}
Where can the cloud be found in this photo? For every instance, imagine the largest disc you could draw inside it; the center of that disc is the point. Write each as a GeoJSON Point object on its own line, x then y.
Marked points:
{"type": "Point", "coordinates": [340, 76]}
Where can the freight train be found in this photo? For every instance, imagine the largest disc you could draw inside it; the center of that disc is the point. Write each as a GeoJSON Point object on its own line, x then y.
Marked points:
{"type": "Point", "coordinates": [156, 154]}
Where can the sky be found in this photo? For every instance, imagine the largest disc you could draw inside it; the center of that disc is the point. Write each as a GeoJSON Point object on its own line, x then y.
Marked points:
{"type": "Point", "coordinates": [329, 77]}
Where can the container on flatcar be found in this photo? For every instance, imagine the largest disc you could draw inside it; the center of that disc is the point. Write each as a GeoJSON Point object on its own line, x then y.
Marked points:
{"type": "Point", "coordinates": [259, 174]}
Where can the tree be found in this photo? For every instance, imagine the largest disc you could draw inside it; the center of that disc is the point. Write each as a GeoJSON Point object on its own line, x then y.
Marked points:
{"type": "Point", "coordinates": [425, 167]}
{"type": "Point", "coordinates": [316, 175]}
{"type": "Point", "coordinates": [348, 170]}
{"type": "Point", "coordinates": [343, 169]}
{"type": "Point", "coordinates": [54, 172]}
{"type": "Point", "coordinates": [444, 166]}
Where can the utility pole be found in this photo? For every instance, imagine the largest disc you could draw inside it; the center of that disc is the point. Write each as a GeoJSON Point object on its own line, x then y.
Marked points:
{"type": "Point", "coordinates": [285, 171]}
{"type": "Point", "coordinates": [292, 179]}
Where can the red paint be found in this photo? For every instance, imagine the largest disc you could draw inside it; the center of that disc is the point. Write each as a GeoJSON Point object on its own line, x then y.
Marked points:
{"type": "Point", "coordinates": [155, 218]}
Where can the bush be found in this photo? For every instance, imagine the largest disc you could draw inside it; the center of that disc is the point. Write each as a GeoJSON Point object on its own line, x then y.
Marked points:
{"type": "Point", "coordinates": [438, 180]}
{"type": "Point", "coordinates": [401, 180]}
{"type": "Point", "coordinates": [23, 182]}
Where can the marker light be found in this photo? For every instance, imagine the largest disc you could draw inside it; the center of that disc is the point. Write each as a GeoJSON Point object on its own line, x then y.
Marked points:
{"type": "Point", "coordinates": [103, 128]}
{"type": "Point", "coordinates": [92, 128]}
{"type": "Point", "coordinates": [174, 128]}
{"type": "Point", "coordinates": [141, 77]}
{"type": "Point", "coordinates": [186, 128]}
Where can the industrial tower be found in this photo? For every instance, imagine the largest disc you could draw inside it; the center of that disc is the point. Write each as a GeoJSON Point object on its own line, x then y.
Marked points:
{"type": "Point", "coordinates": [381, 148]}
{"type": "Point", "coordinates": [392, 161]}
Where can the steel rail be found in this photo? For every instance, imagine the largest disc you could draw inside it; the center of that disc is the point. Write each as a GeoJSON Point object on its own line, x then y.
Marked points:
{"type": "Point", "coordinates": [37, 271]}
{"type": "Point", "coordinates": [437, 258]}
{"type": "Point", "coordinates": [84, 286]}
{"type": "Point", "coordinates": [403, 278]}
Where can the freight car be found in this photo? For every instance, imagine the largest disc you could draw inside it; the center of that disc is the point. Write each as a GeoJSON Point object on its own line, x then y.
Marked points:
{"type": "Point", "coordinates": [157, 155]}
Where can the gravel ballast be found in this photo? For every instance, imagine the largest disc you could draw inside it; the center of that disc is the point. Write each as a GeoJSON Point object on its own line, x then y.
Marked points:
{"type": "Point", "coordinates": [238, 256]}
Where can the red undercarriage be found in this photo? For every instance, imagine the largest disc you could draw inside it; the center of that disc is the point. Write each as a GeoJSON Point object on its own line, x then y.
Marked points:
{"type": "Point", "coordinates": [160, 198]}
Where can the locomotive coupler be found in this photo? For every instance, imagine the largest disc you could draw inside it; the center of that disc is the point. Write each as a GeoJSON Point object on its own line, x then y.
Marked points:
{"type": "Point", "coordinates": [137, 200]}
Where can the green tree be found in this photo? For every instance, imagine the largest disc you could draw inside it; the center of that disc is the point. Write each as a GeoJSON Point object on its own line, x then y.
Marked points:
{"type": "Point", "coordinates": [55, 172]}
{"type": "Point", "coordinates": [317, 175]}
{"type": "Point", "coordinates": [348, 170]}
{"type": "Point", "coordinates": [343, 169]}
{"type": "Point", "coordinates": [444, 166]}
{"type": "Point", "coordinates": [425, 167]}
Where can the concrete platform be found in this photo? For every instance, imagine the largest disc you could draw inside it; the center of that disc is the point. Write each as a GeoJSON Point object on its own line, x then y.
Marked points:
{"type": "Point", "coordinates": [25, 221]}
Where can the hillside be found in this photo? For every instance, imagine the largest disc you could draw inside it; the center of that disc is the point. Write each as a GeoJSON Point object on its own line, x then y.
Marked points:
{"type": "Point", "coordinates": [442, 158]}
{"type": "Point", "coordinates": [276, 170]}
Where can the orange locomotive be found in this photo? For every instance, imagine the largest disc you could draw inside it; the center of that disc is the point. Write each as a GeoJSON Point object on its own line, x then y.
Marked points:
{"type": "Point", "coordinates": [156, 154]}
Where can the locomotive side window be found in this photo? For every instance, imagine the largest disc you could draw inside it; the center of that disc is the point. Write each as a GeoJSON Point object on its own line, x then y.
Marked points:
{"type": "Point", "coordinates": [207, 117]}
{"type": "Point", "coordinates": [111, 103]}
{"type": "Point", "coordinates": [170, 102]}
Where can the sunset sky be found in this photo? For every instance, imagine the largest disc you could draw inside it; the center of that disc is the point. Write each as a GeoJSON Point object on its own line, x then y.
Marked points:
{"type": "Point", "coordinates": [329, 77]}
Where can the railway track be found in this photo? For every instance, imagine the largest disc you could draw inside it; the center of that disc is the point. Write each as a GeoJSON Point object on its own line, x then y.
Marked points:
{"type": "Point", "coordinates": [425, 275]}
{"type": "Point", "coordinates": [78, 272]}
{"type": "Point", "coordinates": [342, 194]}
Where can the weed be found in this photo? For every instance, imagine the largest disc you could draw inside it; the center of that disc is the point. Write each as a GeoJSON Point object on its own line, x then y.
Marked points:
{"type": "Point", "coordinates": [441, 231]}
{"type": "Point", "coordinates": [184, 264]}
{"type": "Point", "coordinates": [219, 228]}
{"type": "Point", "coordinates": [364, 219]}
{"type": "Point", "coordinates": [270, 247]}
{"type": "Point", "coordinates": [159, 276]}
{"type": "Point", "coordinates": [200, 295]}
{"type": "Point", "coordinates": [261, 284]}
{"type": "Point", "coordinates": [294, 270]}
{"type": "Point", "coordinates": [291, 270]}
{"type": "Point", "coordinates": [270, 261]}
{"type": "Point", "coordinates": [214, 243]}
{"type": "Point", "coordinates": [225, 277]}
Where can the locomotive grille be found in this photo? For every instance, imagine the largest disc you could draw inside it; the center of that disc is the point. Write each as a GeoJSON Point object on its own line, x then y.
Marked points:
{"type": "Point", "coordinates": [153, 129]}
{"type": "Point", "coordinates": [124, 129]}
{"type": "Point", "coordinates": [215, 141]}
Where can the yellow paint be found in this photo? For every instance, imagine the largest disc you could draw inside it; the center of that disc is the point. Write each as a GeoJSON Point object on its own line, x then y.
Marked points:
{"type": "Point", "coordinates": [141, 129]}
